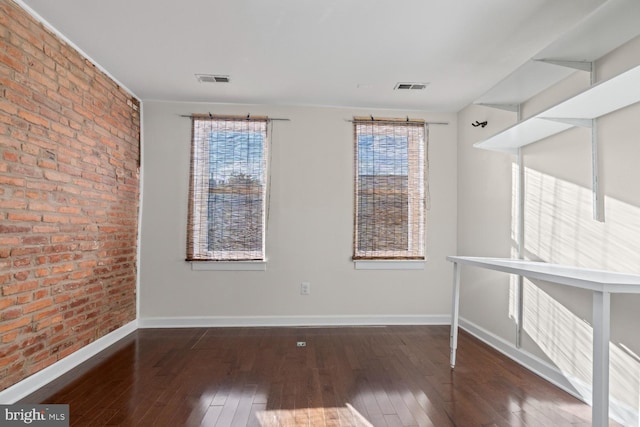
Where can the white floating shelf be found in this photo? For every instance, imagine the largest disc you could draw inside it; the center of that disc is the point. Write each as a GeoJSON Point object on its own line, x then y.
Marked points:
{"type": "Point", "coordinates": [603, 98]}
{"type": "Point", "coordinates": [609, 26]}
{"type": "Point", "coordinates": [599, 100]}
{"type": "Point", "coordinates": [521, 134]}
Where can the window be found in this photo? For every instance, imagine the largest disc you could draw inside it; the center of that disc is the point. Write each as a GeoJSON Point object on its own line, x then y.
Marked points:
{"type": "Point", "coordinates": [389, 189]}
{"type": "Point", "coordinates": [228, 189]}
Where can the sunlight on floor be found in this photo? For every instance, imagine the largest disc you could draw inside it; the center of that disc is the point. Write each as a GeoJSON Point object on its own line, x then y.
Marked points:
{"type": "Point", "coordinates": [559, 228]}
{"type": "Point", "coordinates": [346, 416]}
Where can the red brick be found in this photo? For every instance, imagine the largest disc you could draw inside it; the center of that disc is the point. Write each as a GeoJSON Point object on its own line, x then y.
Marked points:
{"type": "Point", "coordinates": [24, 170]}
{"type": "Point", "coordinates": [41, 185]}
{"type": "Point", "coordinates": [61, 238]}
{"type": "Point", "coordinates": [21, 275]}
{"type": "Point", "coordinates": [9, 240]}
{"type": "Point", "coordinates": [21, 262]}
{"type": "Point", "coordinates": [42, 272]}
{"type": "Point", "coordinates": [80, 220]}
{"type": "Point", "coordinates": [33, 118]}
{"type": "Point", "coordinates": [55, 218]}
{"type": "Point", "coordinates": [62, 102]}
{"type": "Point", "coordinates": [68, 198]}
{"type": "Point", "coordinates": [35, 240]}
{"type": "Point", "coordinates": [41, 365]}
{"type": "Point", "coordinates": [7, 360]}
{"type": "Point", "coordinates": [12, 313]}
{"type": "Point", "coordinates": [45, 229]}
{"type": "Point", "coordinates": [47, 322]}
{"type": "Point", "coordinates": [69, 210]}
{"type": "Point", "coordinates": [47, 164]}
{"type": "Point", "coordinates": [52, 175]}
{"type": "Point", "coordinates": [62, 268]}
{"type": "Point", "coordinates": [24, 298]}
{"type": "Point", "coordinates": [53, 280]}
{"type": "Point", "coordinates": [15, 324]}
{"type": "Point", "coordinates": [10, 156]}
{"type": "Point", "coordinates": [22, 250]}
{"type": "Point", "coordinates": [40, 293]}
{"type": "Point", "coordinates": [14, 228]}
{"type": "Point", "coordinates": [80, 274]}
{"type": "Point", "coordinates": [4, 278]}
{"type": "Point", "coordinates": [28, 160]}
{"type": "Point", "coordinates": [37, 305]}
{"type": "Point", "coordinates": [64, 130]}
{"type": "Point", "coordinates": [9, 180]}
{"type": "Point", "coordinates": [42, 79]}
{"type": "Point", "coordinates": [14, 63]}
{"type": "Point", "coordinates": [47, 313]}
{"type": "Point", "coordinates": [40, 206]}
{"type": "Point", "coordinates": [9, 337]}
{"type": "Point", "coordinates": [27, 217]}
{"type": "Point", "coordinates": [7, 302]}
{"type": "Point", "coordinates": [8, 107]}
{"type": "Point", "coordinates": [29, 351]}
{"type": "Point", "coordinates": [12, 204]}
{"type": "Point", "coordinates": [51, 115]}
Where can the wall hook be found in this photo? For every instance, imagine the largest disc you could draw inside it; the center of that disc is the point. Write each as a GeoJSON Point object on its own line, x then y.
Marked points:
{"type": "Point", "coordinates": [477, 123]}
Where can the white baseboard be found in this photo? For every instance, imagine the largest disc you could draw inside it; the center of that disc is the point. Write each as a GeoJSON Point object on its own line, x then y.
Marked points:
{"type": "Point", "coordinates": [522, 357]}
{"type": "Point", "coordinates": [618, 411]}
{"type": "Point", "coordinates": [230, 321]}
{"type": "Point", "coordinates": [41, 378]}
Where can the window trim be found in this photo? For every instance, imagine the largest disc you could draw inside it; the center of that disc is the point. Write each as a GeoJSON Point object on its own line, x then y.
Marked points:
{"type": "Point", "coordinates": [389, 264]}
{"type": "Point", "coordinates": [229, 265]}
{"type": "Point", "coordinates": [196, 233]}
{"type": "Point", "coordinates": [389, 259]}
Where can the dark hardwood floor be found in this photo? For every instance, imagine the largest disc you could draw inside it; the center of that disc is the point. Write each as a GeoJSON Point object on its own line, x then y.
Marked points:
{"type": "Point", "coordinates": [347, 376]}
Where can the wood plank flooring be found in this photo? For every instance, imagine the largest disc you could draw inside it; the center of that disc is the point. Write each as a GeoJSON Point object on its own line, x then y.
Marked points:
{"type": "Point", "coordinates": [345, 376]}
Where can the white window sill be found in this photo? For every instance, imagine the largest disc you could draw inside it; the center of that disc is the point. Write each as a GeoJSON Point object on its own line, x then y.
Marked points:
{"type": "Point", "coordinates": [389, 264]}
{"type": "Point", "coordinates": [229, 266]}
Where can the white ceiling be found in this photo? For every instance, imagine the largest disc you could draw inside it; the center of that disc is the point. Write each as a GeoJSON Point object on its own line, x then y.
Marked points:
{"type": "Point", "coordinates": [314, 52]}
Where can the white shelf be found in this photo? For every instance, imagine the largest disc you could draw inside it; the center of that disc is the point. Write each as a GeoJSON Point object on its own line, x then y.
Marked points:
{"type": "Point", "coordinates": [608, 27]}
{"type": "Point", "coordinates": [601, 99]}
{"type": "Point", "coordinates": [597, 101]}
{"type": "Point", "coordinates": [521, 134]}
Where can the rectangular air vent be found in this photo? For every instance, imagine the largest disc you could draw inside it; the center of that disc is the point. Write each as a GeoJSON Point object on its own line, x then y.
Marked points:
{"type": "Point", "coordinates": [212, 78]}
{"type": "Point", "coordinates": [410, 86]}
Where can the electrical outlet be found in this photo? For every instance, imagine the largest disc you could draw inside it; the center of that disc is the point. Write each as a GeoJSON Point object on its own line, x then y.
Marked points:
{"type": "Point", "coordinates": [305, 288]}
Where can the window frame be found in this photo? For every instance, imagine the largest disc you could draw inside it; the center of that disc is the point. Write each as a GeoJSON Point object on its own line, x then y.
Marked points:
{"type": "Point", "coordinates": [417, 172]}
{"type": "Point", "coordinates": [199, 190]}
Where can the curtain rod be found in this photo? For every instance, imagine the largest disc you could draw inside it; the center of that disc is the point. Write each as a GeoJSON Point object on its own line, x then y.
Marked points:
{"type": "Point", "coordinates": [225, 116]}
{"type": "Point", "coordinates": [397, 121]}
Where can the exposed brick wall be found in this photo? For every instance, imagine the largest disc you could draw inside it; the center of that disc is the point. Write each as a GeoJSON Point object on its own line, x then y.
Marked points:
{"type": "Point", "coordinates": [69, 154]}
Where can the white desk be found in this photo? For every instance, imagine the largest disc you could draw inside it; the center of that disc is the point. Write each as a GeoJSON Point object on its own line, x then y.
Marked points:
{"type": "Point", "coordinates": [602, 283]}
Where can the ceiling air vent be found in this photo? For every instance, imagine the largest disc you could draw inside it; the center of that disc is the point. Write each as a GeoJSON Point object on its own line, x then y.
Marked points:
{"type": "Point", "coordinates": [212, 78]}
{"type": "Point", "coordinates": [410, 86]}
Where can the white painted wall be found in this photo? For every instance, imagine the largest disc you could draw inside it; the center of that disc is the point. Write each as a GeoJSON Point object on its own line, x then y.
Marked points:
{"type": "Point", "coordinates": [310, 227]}
{"type": "Point", "coordinates": [558, 228]}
